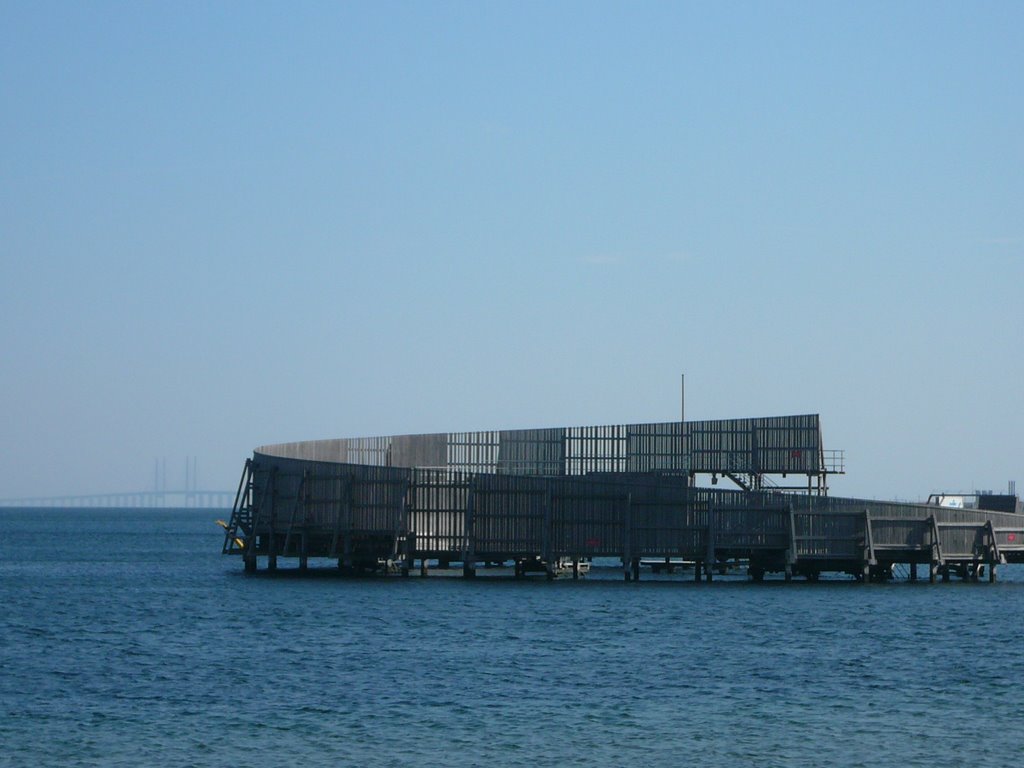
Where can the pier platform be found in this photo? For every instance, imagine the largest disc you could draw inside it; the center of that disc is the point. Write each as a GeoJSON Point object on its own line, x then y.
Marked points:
{"type": "Point", "coordinates": [551, 500]}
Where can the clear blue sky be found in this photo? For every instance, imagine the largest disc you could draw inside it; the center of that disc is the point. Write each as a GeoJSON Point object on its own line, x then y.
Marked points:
{"type": "Point", "coordinates": [229, 224]}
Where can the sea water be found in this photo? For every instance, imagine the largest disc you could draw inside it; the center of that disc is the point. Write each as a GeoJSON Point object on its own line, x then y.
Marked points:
{"type": "Point", "coordinates": [126, 638]}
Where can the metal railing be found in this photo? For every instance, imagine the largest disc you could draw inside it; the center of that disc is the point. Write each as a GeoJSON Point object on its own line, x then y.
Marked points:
{"type": "Point", "coordinates": [833, 461]}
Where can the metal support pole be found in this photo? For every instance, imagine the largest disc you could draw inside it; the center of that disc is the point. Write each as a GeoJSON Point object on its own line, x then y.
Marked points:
{"type": "Point", "coordinates": [682, 398]}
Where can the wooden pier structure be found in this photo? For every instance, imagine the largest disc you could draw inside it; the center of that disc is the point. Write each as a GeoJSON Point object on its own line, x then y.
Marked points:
{"type": "Point", "coordinates": [551, 499]}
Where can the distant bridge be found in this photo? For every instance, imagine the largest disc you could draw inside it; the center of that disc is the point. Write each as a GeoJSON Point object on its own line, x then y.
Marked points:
{"type": "Point", "coordinates": [192, 499]}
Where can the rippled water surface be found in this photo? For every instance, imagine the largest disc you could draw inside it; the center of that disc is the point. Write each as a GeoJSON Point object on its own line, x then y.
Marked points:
{"type": "Point", "coordinates": [126, 638]}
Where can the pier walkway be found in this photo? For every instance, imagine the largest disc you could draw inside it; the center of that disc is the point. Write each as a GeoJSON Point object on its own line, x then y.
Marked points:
{"type": "Point", "coordinates": [551, 499]}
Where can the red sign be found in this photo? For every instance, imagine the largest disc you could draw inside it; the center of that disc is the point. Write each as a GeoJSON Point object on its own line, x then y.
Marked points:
{"type": "Point", "coordinates": [1011, 537]}
{"type": "Point", "coordinates": [593, 542]}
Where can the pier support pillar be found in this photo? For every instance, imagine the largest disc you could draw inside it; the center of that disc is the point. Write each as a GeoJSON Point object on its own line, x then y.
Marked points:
{"type": "Point", "coordinates": [423, 567]}
{"type": "Point", "coordinates": [933, 570]}
{"type": "Point", "coordinates": [913, 571]}
{"type": "Point", "coordinates": [698, 565]}
{"type": "Point", "coordinates": [635, 567]}
{"type": "Point", "coordinates": [991, 573]}
{"type": "Point", "coordinates": [250, 565]}
{"type": "Point", "coordinates": [575, 568]}
{"type": "Point", "coordinates": [789, 573]}
{"type": "Point", "coordinates": [272, 562]}
{"type": "Point", "coordinates": [468, 571]}
{"type": "Point", "coordinates": [944, 570]}
{"type": "Point", "coordinates": [303, 563]}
